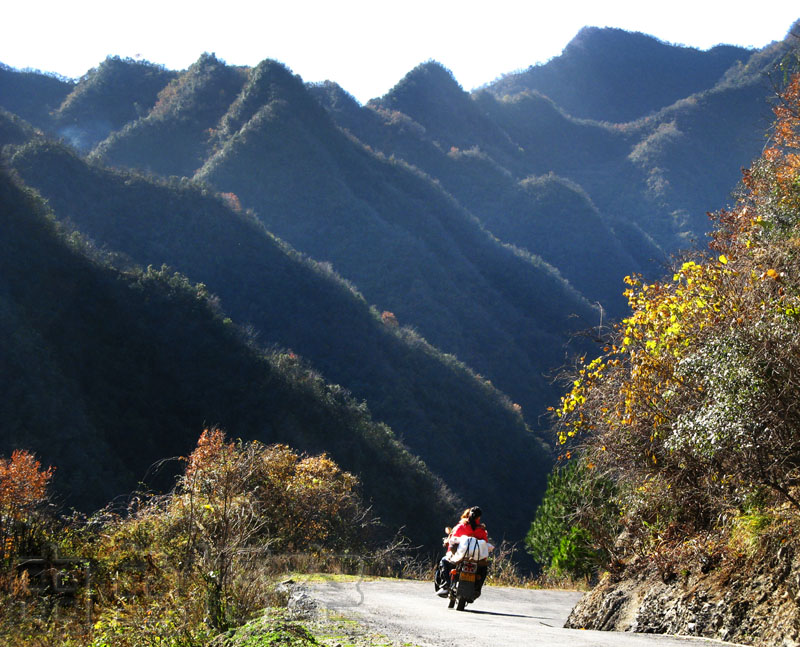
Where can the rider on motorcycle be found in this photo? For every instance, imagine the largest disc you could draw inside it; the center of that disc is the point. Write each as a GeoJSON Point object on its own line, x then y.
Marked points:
{"type": "Point", "coordinates": [468, 526]}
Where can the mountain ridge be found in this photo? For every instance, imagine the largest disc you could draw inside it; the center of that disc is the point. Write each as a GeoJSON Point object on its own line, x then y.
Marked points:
{"type": "Point", "coordinates": [433, 251]}
{"type": "Point", "coordinates": [295, 303]}
{"type": "Point", "coordinates": [191, 368]}
{"type": "Point", "coordinates": [614, 87]}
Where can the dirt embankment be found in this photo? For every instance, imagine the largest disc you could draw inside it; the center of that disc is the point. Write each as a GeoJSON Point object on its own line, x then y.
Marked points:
{"type": "Point", "coordinates": [749, 599]}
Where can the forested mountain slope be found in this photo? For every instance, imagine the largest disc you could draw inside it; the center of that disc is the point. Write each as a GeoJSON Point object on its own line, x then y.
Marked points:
{"type": "Point", "coordinates": [406, 244]}
{"type": "Point", "coordinates": [430, 399]}
{"type": "Point", "coordinates": [614, 75]}
{"type": "Point", "coordinates": [514, 204]}
{"type": "Point", "coordinates": [107, 98]}
{"type": "Point", "coordinates": [32, 95]}
{"type": "Point", "coordinates": [172, 138]}
{"type": "Point", "coordinates": [496, 224]}
{"type": "Point", "coordinates": [647, 177]}
{"type": "Point", "coordinates": [110, 372]}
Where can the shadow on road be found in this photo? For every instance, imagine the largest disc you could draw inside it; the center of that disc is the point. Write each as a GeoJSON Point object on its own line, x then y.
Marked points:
{"type": "Point", "coordinates": [507, 615]}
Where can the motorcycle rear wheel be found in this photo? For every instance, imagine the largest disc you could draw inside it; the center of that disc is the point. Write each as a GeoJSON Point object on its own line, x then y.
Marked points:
{"type": "Point", "coordinates": [461, 604]}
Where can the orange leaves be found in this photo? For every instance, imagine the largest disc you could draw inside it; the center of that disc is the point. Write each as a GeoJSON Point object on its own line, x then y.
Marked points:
{"type": "Point", "coordinates": [167, 98]}
{"type": "Point", "coordinates": [773, 183]}
{"type": "Point", "coordinates": [23, 483]}
{"type": "Point", "coordinates": [232, 200]}
{"type": "Point", "coordinates": [787, 125]}
{"type": "Point", "coordinates": [23, 487]}
{"type": "Point", "coordinates": [212, 450]}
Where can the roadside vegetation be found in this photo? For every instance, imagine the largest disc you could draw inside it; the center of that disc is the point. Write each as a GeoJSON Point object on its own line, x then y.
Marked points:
{"type": "Point", "coordinates": [212, 562]}
{"type": "Point", "coordinates": [680, 440]}
{"type": "Point", "coordinates": [183, 568]}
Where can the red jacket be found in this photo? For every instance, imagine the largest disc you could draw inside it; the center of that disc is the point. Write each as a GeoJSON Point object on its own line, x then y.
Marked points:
{"type": "Point", "coordinates": [464, 529]}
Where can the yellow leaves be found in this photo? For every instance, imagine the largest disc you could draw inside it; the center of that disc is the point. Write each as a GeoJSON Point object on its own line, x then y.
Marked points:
{"type": "Point", "coordinates": [623, 388]}
{"type": "Point", "coordinates": [632, 388]}
{"type": "Point", "coordinates": [689, 267]}
{"type": "Point", "coordinates": [596, 363]}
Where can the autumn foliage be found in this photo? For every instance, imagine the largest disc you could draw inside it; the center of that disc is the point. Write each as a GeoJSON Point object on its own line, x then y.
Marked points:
{"type": "Point", "coordinates": [179, 568]}
{"type": "Point", "coordinates": [237, 507]}
{"type": "Point", "coordinates": [691, 409]}
{"type": "Point", "coordinates": [23, 489]}
{"type": "Point", "coordinates": [296, 502]}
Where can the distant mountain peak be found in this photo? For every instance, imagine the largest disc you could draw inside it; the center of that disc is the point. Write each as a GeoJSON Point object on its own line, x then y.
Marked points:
{"type": "Point", "coordinates": [337, 96]}
{"type": "Point", "coordinates": [107, 97]}
{"type": "Point", "coordinates": [206, 60]}
{"type": "Point", "coordinates": [201, 84]}
{"type": "Point", "coordinates": [435, 69]}
{"type": "Point", "coordinates": [427, 78]}
{"type": "Point", "coordinates": [590, 37]}
{"type": "Point", "coordinates": [610, 74]}
{"type": "Point", "coordinates": [269, 82]}
{"type": "Point", "coordinates": [334, 98]}
{"type": "Point", "coordinates": [273, 71]}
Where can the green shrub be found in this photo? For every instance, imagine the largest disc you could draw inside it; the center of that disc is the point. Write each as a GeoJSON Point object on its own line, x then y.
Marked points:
{"type": "Point", "coordinates": [575, 555]}
{"type": "Point", "coordinates": [578, 504]}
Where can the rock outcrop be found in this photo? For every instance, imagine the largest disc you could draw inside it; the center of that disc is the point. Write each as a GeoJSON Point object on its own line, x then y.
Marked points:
{"type": "Point", "coordinates": [749, 599]}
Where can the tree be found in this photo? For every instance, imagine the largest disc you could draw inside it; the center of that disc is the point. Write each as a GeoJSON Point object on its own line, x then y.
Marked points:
{"type": "Point", "coordinates": [239, 499]}
{"type": "Point", "coordinates": [23, 490]}
{"type": "Point", "coordinates": [576, 524]}
{"type": "Point", "coordinates": [691, 408]}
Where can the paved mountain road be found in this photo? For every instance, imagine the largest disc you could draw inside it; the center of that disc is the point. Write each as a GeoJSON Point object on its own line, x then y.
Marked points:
{"type": "Point", "coordinates": [507, 617]}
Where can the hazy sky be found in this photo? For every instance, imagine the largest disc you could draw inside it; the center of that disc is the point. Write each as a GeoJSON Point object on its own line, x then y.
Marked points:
{"type": "Point", "coordinates": [365, 46]}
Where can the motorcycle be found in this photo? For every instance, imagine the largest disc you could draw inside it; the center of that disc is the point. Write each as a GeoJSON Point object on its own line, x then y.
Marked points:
{"type": "Point", "coordinates": [468, 573]}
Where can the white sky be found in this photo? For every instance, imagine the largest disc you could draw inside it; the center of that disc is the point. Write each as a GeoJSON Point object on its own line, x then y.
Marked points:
{"type": "Point", "coordinates": [365, 46]}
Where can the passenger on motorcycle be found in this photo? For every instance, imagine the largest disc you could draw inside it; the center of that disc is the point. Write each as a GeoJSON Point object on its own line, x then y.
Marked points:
{"type": "Point", "coordinates": [468, 526]}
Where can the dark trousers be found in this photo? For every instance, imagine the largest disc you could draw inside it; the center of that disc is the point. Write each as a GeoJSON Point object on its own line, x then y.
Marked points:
{"type": "Point", "coordinates": [444, 568]}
